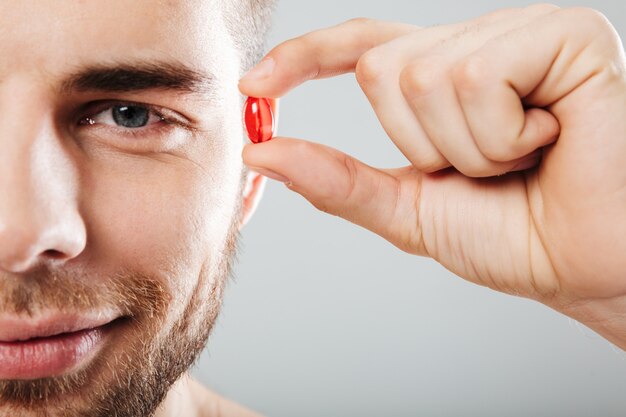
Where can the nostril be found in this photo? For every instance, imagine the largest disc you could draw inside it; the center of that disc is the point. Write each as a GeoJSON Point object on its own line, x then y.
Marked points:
{"type": "Point", "coordinates": [53, 254]}
{"type": "Point", "coordinates": [31, 244]}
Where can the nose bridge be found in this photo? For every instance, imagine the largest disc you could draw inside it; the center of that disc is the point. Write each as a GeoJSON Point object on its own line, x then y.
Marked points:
{"type": "Point", "coordinates": [38, 209]}
{"type": "Point", "coordinates": [18, 139]}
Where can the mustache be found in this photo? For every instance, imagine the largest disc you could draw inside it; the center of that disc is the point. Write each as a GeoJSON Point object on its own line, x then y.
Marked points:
{"type": "Point", "coordinates": [130, 293]}
{"type": "Point", "coordinates": [140, 298]}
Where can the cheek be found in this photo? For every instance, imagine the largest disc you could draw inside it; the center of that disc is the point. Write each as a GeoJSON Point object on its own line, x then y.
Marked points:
{"type": "Point", "coordinates": [166, 219]}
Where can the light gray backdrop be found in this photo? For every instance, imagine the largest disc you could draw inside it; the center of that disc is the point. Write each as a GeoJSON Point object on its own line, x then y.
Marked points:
{"type": "Point", "coordinates": [327, 319]}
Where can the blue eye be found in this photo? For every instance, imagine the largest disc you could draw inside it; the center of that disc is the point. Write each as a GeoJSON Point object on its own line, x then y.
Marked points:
{"type": "Point", "coordinates": [127, 116]}
{"type": "Point", "coordinates": [130, 116]}
{"type": "Point", "coordinates": [133, 126]}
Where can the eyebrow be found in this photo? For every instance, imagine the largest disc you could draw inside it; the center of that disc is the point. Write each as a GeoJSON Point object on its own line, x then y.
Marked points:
{"type": "Point", "coordinates": [138, 76]}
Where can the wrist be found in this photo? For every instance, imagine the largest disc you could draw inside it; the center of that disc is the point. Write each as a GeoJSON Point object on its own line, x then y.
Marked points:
{"type": "Point", "coordinates": [606, 316]}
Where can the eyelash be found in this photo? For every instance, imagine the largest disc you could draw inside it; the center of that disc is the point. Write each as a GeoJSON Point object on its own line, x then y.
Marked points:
{"type": "Point", "coordinates": [138, 132]}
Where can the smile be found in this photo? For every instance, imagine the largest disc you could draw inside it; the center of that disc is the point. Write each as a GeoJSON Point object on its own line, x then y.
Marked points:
{"type": "Point", "coordinates": [33, 349]}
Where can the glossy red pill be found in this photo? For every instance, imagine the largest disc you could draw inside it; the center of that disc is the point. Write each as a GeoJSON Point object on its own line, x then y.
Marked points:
{"type": "Point", "coordinates": [259, 119]}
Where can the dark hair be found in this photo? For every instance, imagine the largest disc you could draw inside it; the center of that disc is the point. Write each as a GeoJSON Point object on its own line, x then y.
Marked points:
{"type": "Point", "coordinates": [249, 22]}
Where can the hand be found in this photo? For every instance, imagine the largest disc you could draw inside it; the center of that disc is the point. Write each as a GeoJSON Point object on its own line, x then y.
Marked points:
{"type": "Point", "coordinates": [515, 128]}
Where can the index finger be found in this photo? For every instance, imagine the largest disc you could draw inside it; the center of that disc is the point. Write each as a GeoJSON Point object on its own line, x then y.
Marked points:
{"type": "Point", "coordinates": [319, 54]}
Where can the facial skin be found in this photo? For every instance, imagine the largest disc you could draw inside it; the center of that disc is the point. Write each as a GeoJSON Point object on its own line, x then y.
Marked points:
{"type": "Point", "coordinates": [136, 224]}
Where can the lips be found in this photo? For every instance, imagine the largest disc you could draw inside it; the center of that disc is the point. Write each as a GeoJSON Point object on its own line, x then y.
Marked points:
{"type": "Point", "coordinates": [51, 345]}
{"type": "Point", "coordinates": [15, 329]}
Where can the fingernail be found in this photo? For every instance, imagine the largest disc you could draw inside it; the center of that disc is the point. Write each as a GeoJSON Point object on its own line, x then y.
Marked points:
{"type": "Point", "coordinates": [262, 70]}
{"type": "Point", "coordinates": [270, 174]}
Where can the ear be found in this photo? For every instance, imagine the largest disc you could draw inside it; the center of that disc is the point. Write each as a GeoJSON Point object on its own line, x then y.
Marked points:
{"type": "Point", "coordinates": [253, 191]}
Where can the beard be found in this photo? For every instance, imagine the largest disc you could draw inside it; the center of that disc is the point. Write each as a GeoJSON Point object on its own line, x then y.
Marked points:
{"type": "Point", "coordinates": [132, 374]}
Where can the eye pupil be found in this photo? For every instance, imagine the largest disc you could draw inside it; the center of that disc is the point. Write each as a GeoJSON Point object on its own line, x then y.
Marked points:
{"type": "Point", "coordinates": [131, 116]}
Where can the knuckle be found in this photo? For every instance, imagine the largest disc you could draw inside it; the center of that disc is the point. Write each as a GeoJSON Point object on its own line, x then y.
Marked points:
{"type": "Point", "coordinates": [598, 36]}
{"type": "Point", "coordinates": [307, 43]}
{"type": "Point", "coordinates": [501, 145]}
{"type": "Point", "coordinates": [352, 171]}
{"type": "Point", "coordinates": [497, 15]}
{"type": "Point", "coordinates": [543, 8]}
{"type": "Point", "coordinates": [419, 78]}
{"type": "Point", "coordinates": [284, 46]}
{"type": "Point", "coordinates": [470, 74]}
{"type": "Point", "coordinates": [591, 19]}
{"type": "Point", "coordinates": [323, 206]}
{"type": "Point", "coordinates": [587, 13]}
{"type": "Point", "coordinates": [303, 149]}
{"type": "Point", "coordinates": [478, 168]}
{"type": "Point", "coordinates": [370, 67]}
{"type": "Point", "coordinates": [302, 40]}
{"type": "Point", "coordinates": [495, 152]}
{"type": "Point", "coordinates": [360, 21]}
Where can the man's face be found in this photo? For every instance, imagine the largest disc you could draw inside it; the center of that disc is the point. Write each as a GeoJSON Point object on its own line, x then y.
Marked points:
{"type": "Point", "coordinates": [120, 198]}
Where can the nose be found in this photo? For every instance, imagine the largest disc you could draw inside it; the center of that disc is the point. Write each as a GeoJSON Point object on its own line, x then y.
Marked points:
{"type": "Point", "coordinates": [39, 217]}
{"type": "Point", "coordinates": [32, 246]}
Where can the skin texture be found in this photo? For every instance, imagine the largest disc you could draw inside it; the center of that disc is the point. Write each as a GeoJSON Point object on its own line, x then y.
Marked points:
{"type": "Point", "coordinates": [513, 125]}
{"type": "Point", "coordinates": [95, 218]}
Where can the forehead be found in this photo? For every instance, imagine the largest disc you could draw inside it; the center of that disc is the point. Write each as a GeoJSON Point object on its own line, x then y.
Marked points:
{"type": "Point", "coordinates": [55, 34]}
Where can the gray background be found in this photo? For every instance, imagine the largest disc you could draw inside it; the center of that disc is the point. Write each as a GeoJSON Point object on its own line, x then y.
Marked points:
{"type": "Point", "coordinates": [327, 319]}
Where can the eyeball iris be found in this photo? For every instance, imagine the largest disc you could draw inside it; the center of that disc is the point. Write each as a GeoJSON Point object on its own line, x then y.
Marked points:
{"type": "Point", "coordinates": [130, 116]}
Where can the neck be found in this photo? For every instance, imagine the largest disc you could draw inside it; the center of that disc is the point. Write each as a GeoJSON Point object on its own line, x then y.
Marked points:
{"type": "Point", "coordinates": [179, 400]}
{"type": "Point", "coordinates": [189, 398]}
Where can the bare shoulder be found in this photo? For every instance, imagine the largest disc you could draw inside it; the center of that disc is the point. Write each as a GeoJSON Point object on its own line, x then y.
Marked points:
{"type": "Point", "coordinates": [211, 404]}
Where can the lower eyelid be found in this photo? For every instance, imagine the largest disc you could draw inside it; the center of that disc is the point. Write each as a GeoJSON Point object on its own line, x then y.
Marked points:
{"type": "Point", "coordinates": [154, 140]}
{"type": "Point", "coordinates": [149, 130]}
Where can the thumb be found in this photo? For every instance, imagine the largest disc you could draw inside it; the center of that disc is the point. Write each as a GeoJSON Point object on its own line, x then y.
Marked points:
{"type": "Point", "coordinates": [383, 201]}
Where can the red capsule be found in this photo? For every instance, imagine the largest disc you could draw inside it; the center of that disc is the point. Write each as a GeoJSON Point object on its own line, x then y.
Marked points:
{"type": "Point", "coordinates": [259, 119]}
